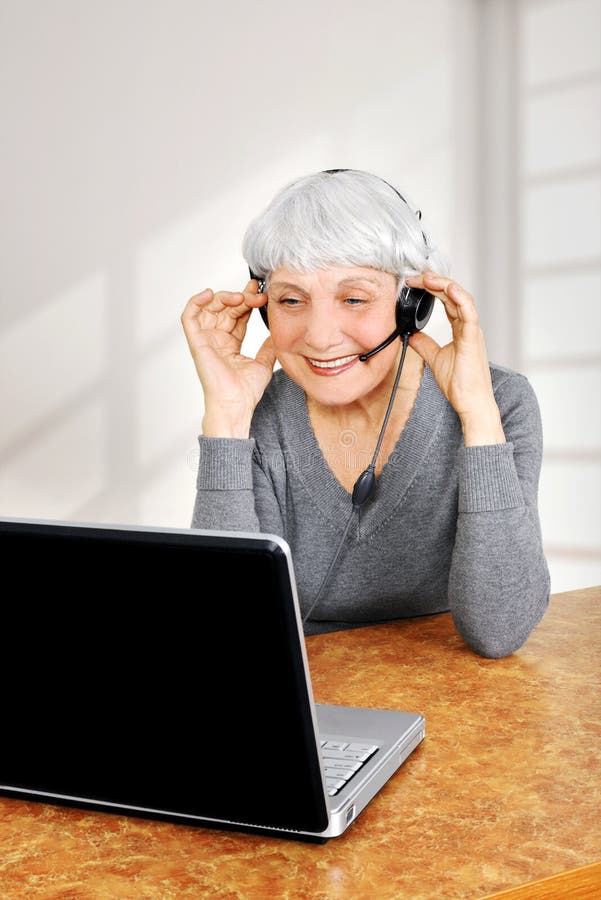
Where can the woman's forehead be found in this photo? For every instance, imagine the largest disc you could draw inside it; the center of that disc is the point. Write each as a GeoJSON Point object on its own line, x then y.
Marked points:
{"type": "Point", "coordinates": [333, 275]}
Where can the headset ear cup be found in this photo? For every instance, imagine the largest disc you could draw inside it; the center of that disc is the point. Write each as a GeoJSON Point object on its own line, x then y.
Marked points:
{"type": "Point", "coordinates": [261, 280]}
{"type": "Point", "coordinates": [413, 309]}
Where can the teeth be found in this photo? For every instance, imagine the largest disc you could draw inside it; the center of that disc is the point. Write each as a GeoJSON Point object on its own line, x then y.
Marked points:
{"type": "Point", "coordinates": [332, 363]}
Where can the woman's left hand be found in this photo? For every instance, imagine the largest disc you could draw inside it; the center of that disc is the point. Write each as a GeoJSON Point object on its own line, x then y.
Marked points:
{"type": "Point", "coordinates": [461, 367]}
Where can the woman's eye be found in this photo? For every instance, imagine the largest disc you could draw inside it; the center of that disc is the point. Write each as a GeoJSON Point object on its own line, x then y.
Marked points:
{"type": "Point", "coordinates": [289, 301]}
{"type": "Point", "coordinates": [295, 302]}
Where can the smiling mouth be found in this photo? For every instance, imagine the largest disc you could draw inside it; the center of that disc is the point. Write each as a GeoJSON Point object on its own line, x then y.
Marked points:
{"type": "Point", "coordinates": [332, 363]}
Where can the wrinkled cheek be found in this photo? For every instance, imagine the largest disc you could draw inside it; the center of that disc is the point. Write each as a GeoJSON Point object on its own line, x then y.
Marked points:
{"type": "Point", "coordinates": [284, 337]}
{"type": "Point", "coordinates": [293, 364]}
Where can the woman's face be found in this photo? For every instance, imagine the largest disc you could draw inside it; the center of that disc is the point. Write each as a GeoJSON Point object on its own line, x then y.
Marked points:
{"type": "Point", "coordinates": [320, 323]}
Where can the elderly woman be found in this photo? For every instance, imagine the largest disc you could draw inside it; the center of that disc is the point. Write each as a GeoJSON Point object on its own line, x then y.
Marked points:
{"type": "Point", "coordinates": [402, 474]}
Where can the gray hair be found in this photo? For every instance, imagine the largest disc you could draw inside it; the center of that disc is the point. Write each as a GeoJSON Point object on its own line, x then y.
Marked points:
{"type": "Point", "coordinates": [342, 218]}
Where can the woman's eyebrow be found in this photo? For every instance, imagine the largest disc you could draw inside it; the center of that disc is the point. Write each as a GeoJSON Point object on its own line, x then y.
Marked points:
{"type": "Point", "coordinates": [288, 286]}
{"type": "Point", "coordinates": [357, 279]}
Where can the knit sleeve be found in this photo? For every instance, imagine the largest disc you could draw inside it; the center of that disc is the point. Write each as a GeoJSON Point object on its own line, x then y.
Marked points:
{"type": "Point", "coordinates": [499, 580]}
{"type": "Point", "coordinates": [234, 492]}
{"type": "Point", "coordinates": [224, 486]}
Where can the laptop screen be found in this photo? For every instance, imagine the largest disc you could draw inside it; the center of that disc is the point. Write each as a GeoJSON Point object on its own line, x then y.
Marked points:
{"type": "Point", "coordinates": [159, 669]}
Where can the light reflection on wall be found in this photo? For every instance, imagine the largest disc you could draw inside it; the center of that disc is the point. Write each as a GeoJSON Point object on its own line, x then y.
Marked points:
{"type": "Point", "coordinates": [51, 397]}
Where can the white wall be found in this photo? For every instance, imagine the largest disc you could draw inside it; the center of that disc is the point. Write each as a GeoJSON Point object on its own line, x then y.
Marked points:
{"type": "Point", "coordinates": [539, 163]}
{"type": "Point", "coordinates": [560, 266]}
{"type": "Point", "coordinates": [138, 139]}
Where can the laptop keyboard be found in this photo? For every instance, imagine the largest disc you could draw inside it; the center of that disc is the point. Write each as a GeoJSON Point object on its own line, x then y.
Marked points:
{"type": "Point", "coordinates": [342, 760]}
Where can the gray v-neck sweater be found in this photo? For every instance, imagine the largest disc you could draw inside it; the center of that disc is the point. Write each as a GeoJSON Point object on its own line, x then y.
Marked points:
{"type": "Point", "coordinates": [449, 527]}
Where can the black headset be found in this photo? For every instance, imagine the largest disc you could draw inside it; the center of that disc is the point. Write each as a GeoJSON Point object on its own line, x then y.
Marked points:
{"type": "Point", "coordinates": [413, 305]}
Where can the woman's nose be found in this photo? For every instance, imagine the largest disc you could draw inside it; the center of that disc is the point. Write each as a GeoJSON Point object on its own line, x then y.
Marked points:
{"type": "Point", "coordinates": [322, 329]}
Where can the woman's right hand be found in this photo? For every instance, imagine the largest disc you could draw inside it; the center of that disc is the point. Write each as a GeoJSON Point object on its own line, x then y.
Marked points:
{"type": "Point", "coordinates": [215, 325]}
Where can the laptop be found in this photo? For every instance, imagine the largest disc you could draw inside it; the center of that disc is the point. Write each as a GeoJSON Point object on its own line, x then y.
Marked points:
{"type": "Point", "coordinates": [162, 673]}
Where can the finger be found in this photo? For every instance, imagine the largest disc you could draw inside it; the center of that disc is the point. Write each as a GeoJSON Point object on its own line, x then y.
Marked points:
{"type": "Point", "coordinates": [233, 312]}
{"type": "Point", "coordinates": [232, 299]}
{"type": "Point", "coordinates": [223, 310]}
{"type": "Point", "coordinates": [457, 301]}
{"type": "Point", "coordinates": [252, 296]}
{"type": "Point", "coordinates": [254, 301]}
{"type": "Point", "coordinates": [199, 300]}
{"type": "Point", "coordinates": [435, 285]}
{"type": "Point", "coordinates": [425, 346]}
{"type": "Point", "coordinates": [194, 306]}
{"type": "Point", "coordinates": [228, 298]}
{"type": "Point", "coordinates": [266, 355]}
{"type": "Point", "coordinates": [206, 311]}
{"type": "Point", "coordinates": [252, 286]}
{"type": "Point", "coordinates": [208, 301]}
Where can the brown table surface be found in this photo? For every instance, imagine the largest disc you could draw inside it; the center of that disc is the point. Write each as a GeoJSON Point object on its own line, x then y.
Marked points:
{"type": "Point", "coordinates": [504, 791]}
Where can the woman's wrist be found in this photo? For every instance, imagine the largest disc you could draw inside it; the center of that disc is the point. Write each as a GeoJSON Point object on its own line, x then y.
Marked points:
{"type": "Point", "coordinates": [482, 427]}
{"type": "Point", "coordinates": [224, 423]}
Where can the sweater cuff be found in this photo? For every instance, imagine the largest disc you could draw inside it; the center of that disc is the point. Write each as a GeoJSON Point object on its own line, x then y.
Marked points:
{"type": "Point", "coordinates": [488, 479]}
{"type": "Point", "coordinates": [225, 464]}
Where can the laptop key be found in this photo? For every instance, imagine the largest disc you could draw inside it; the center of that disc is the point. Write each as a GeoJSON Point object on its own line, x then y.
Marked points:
{"type": "Point", "coordinates": [359, 755]}
{"type": "Point", "coordinates": [343, 765]}
{"type": "Point", "coordinates": [362, 748]}
{"type": "Point", "coordinates": [338, 773]}
{"type": "Point", "coordinates": [335, 783]}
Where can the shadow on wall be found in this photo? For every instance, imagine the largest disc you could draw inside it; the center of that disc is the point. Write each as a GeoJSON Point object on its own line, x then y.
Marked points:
{"type": "Point", "coordinates": [134, 159]}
